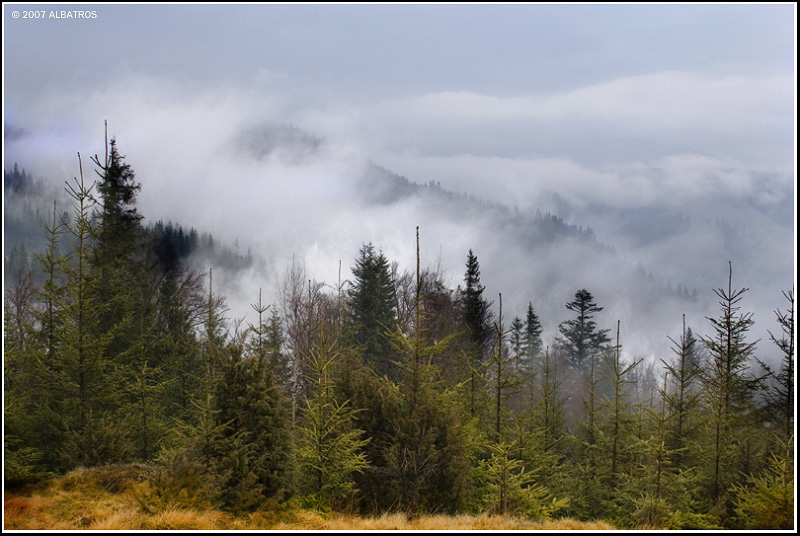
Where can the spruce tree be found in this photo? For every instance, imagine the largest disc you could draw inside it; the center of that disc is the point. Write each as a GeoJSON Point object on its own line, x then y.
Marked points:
{"type": "Point", "coordinates": [329, 448]}
{"type": "Point", "coordinates": [119, 236]}
{"type": "Point", "coordinates": [278, 358]}
{"type": "Point", "coordinates": [373, 309]}
{"type": "Point", "coordinates": [27, 431]}
{"type": "Point", "coordinates": [477, 320]}
{"type": "Point", "coordinates": [427, 455]}
{"type": "Point", "coordinates": [728, 389]}
{"type": "Point", "coordinates": [518, 364]}
{"type": "Point", "coordinates": [532, 340]}
{"type": "Point", "coordinates": [766, 500]}
{"type": "Point", "coordinates": [118, 254]}
{"type": "Point", "coordinates": [87, 395]}
{"type": "Point", "coordinates": [580, 337]}
{"type": "Point", "coordinates": [512, 489]}
{"type": "Point", "coordinates": [256, 428]}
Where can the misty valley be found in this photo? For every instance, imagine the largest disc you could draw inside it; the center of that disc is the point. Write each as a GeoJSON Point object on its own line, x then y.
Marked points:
{"type": "Point", "coordinates": [158, 374]}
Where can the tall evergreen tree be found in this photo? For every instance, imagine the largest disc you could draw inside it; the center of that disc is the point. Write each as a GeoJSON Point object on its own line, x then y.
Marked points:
{"type": "Point", "coordinates": [477, 319]}
{"type": "Point", "coordinates": [728, 389]}
{"type": "Point", "coordinates": [532, 341]}
{"type": "Point", "coordinates": [177, 350]}
{"type": "Point", "coordinates": [120, 233]}
{"type": "Point", "coordinates": [84, 367]}
{"type": "Point", "coordinates": [373, 309]}
{"type": "Point", "coordinates": [427, 455]}
{"type": "Point", "coordinates": [118, 253]}
{"type": "Point", "coordinates": [580, 337]}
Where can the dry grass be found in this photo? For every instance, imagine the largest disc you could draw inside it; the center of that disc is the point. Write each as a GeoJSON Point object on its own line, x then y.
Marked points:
{"type": "Point", "coordinates": [103, 499]}
{"type": "Point", "coordinates": [313, 521]}
{"type": "Point", "coordinates": [188, 520]}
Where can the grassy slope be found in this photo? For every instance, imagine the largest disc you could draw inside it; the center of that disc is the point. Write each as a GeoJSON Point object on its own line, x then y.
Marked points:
{"type": "Point", "coordinates": [105, 499]}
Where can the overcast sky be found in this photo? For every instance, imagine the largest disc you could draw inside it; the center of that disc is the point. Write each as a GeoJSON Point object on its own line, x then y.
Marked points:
{"type": "Point", "coordinates": [688, 109]}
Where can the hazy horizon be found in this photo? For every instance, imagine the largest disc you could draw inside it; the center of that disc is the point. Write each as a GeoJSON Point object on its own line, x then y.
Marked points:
{"type": "Point", "coordinates": [668, 129]}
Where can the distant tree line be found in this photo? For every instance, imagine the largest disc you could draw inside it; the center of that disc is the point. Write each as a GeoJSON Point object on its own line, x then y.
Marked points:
{"type": "Point", "coordinates": [170, 241]}
{"type": "Point", "coordinates": [391, 392]}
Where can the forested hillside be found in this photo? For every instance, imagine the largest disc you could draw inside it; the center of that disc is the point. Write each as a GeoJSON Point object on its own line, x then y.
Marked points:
{"type": "Point", "coordinates": [29, 204]}
{"type": "Point", "coordinates": [382, 392]}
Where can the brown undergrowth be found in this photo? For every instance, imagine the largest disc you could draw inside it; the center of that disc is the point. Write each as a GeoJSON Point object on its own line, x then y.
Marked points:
{"type": "Point", "coordinates": [106, 499]}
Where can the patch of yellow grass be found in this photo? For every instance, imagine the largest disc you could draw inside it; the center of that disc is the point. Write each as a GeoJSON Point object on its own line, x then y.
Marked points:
{"type": "Point", "coordinates": [83, 499]}
{"type": "Point", "coordinates": [571, 524]}
{"type": "Point", "coordinates": [307, 520]}
{"type": "Point", "coordinates": [104, 499]}
{"type": "Point", "coordinates": [187, 520]}
{"type": "Point", "coordinates": [19, 511]}
{"type": "Point", "coordinates": [128, 519]}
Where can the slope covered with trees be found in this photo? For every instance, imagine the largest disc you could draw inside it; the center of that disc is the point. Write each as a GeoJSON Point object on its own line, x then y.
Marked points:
{"type": "Point", "coordinates": [393, 393]}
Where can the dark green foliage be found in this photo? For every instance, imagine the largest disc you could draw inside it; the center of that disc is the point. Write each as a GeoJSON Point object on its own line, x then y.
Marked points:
{"type": "Point", "coordinates": [427, 453]}
{"type": "Point", "coordinates": [475, 311]}
{"type": "Point", "coordinates": [117, 255]}
{"type": "Point", "coordinates": [373, 309]}
{"type": "Point", "coordinates": [86, 398]}
{"type": "Point", "coordinates": [120, 222]}
{"type": "Point", "coordinates": [255, 429]}
{"type": "Point", "coordinates": [477, 321]}
{"type": "Point", "coordinates": [506, 376]}
{"type": "Point", "coordinates": [618, 414]}
{"type": "Point", "coordinates": [99, 441]}
{"type": "Point", "coordinates": [174, 246]}
{"type": "Point", "coordinates": [532, 338]}
{"type": "Point", "coordinates": [580, 338]}
{"type": "Point", "coordinates": [52, 294]}
{"type": "Point", "coordinates": [278, 359]}
{"type": "Point", "coordinates": [419, 446]}
{"type": "Point", "coordinates": [171, 244]}
{"type": "Point", "coordinates": [22, 465]}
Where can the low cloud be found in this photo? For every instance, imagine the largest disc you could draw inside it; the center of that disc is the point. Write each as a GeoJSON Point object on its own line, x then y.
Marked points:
{"type": "Point", "coordinates": [285, 180]}
{"type": "Point", "coordinates": [662, 100]}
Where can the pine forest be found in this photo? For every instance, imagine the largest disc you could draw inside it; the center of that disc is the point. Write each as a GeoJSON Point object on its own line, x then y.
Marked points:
{"type": "Point", "coordinates": [385, 393]}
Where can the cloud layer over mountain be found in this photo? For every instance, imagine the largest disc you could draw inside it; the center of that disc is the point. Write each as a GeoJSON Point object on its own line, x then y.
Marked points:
{"type": "Point", "coordinates": [674, 145]}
